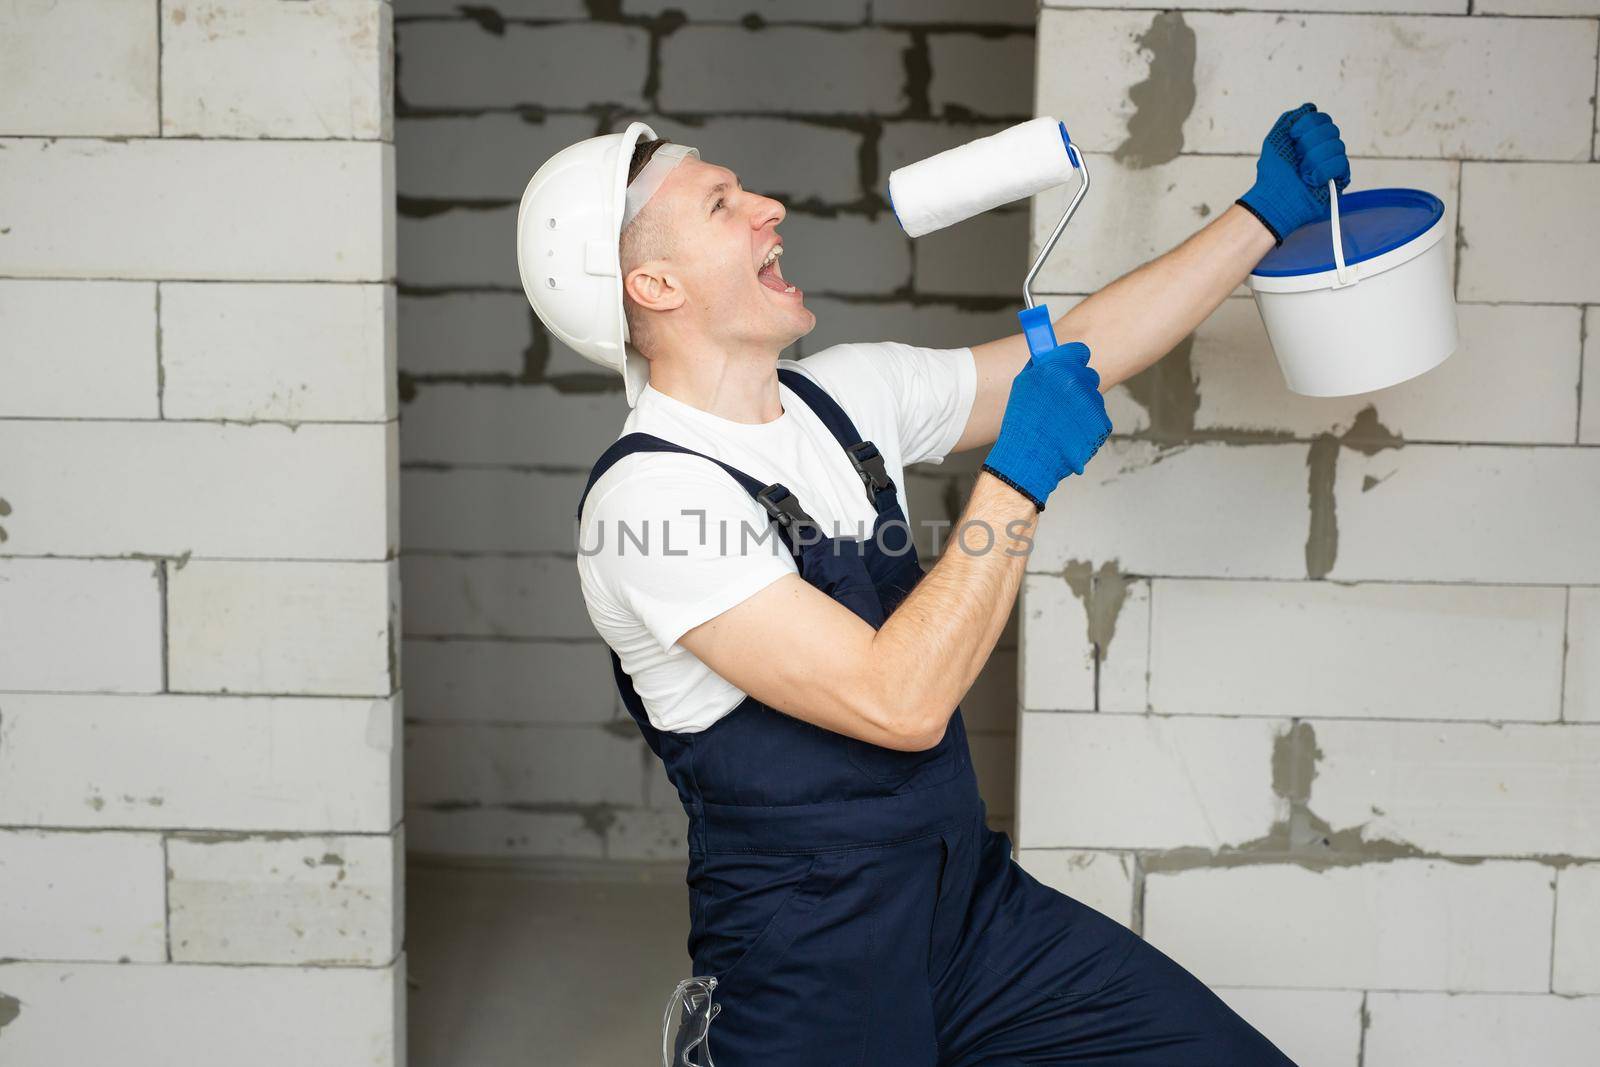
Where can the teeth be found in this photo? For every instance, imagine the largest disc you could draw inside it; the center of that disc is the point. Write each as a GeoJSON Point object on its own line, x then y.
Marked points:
{"type": "Point", "coordinates": [790, 289]}
{"type": "Point", "coordinates": [777, 250]}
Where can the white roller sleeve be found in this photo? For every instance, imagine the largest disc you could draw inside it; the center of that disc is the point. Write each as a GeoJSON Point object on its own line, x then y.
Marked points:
{"type": "Point", "coordinates": [970, 179]}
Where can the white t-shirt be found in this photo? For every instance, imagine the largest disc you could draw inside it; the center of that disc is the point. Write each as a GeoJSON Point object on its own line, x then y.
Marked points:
{"type": "Point", "coordinates": [650, 572]}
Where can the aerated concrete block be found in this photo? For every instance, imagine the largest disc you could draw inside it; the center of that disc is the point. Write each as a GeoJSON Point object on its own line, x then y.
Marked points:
{"type": "Point", "coordinates": [1398, 86]}
{"type": "Point", "coordinates": [211, 489]}
{"type": "Point", "coordinates": [75, 349]}
{"type": "Point", "coordinates": [277, 626]}
{"type": "Point", "coordinates": [522, 424]}
{"type": "Point", "coordinates": [460, 65]}
{"type": "Point", "coordinates": [465, 333]}
{"type": "Point", "coordinates": [1468, 514]}
{"type": "Point", "coordinates": [538, 767]}
{"type": "Point", "coordinates": [1069, 616]}
{"type": "Point", "coordinates": [79, 624]}
{"type": "Point", "coordinates": [1436, 1029]}
{"type": "Point", "coordinates": [1142, 781]}
{"type": "Point", "coordinates": [1222, 510]}
{"type": "Point", "coordinates": [981, 75]}
{"type": "Point", "coordinates": [489, 156]}
{"type": "Point", "coordinates": [516, 682]}
{"type": "Point", "coordinates": [1577, 966]}
{"type": "Point", "coordinates": [48, 49]}
{"type": "Point", "coordinates": [1313, 1027]}
{"type": "Point", "coordinates": [290, 351]}
{"type": "Point", "coordinates": [341, 1014]}
{"type": "Point", "coordinates": [1462, 789]}
{"type": "Point", "coordinates": [245, 763]}
{"type": "Point", "coordinates": [730, 68]}
{"type": "Point", "coordinates": [1467, 398]}
{"type": "Point", "coordinates": [1523, 232]}
{"type": "Point", "coordinates": [315, 901]}
{"type": "Point", "coordinates": [1385, 925]}
{"type": "Point", "coordinates": [1581, 701]}
{"type": "Point", "coordinates": [318, 210]}
{"type": "Point", "coordinates": [1102, 880]}
{"type": "Point", "coordinates": [225, 63]}
{"type": "Point", "coordinates": [54, 902]}
{"type": "Point", "coordinates": [1378, 650]}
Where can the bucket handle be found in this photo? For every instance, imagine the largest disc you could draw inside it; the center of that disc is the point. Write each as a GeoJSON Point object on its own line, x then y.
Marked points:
{"type": "Point", "coordinates": [1345, 275]}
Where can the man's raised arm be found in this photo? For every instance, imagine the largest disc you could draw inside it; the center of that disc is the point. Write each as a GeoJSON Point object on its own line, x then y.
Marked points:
{"type": "Point", "coordinates": [1143, 315]}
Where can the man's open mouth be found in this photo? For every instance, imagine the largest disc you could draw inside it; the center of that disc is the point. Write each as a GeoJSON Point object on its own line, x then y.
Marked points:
{"type": "Point", "coordinates": [771, 276]}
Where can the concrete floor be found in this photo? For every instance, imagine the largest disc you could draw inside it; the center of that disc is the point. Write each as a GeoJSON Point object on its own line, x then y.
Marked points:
{"type": "Point", "coordinates": [507, 969]}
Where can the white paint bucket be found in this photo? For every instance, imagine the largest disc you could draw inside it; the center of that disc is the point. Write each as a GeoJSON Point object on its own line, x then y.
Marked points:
{"type": "Point", "coordinates": [1362, 300]}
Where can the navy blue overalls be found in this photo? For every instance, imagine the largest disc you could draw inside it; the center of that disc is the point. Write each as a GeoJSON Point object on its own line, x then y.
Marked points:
{"type": "Point", "coordinates": [850, 900]}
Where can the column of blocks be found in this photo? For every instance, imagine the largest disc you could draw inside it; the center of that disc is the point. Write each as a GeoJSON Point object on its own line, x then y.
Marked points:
{"type": "Point", "coordinates": [200, 749]}
{"type": "Point", "coordinates": [1355, 791]}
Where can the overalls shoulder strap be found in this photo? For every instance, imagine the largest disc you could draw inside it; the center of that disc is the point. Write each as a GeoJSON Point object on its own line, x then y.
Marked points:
{"type": "Point", "coordinates": [864, 455]}
{"type": "Point", "coordinates": [782, 506]}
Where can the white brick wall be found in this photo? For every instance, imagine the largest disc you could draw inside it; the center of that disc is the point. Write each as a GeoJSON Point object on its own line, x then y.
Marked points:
{"type": "Point", "coordinates": [210, 488]}
{"type": "Point", "coordinates": [49, 46]}
{"type": "Point", "coordinates": [1258, 648]}
{"type": "Point", "coordinates": [1103, 880]}
{"type": "Point", "coordinates": [305, 900]}
{"type": "Point", "coordinates": [243, 1015]}
{"type": "Point", "coordinates": [78, 350]}
{"type": "Point", "coordinates": [1577, 966]}
{"type": "Point", "coordinates": [53, 899]}
{"type": "Point", "coordinates": [283, 627]}
{"type": "Point", "coordinates": [1396, 925]}
{"type": "Point", "coordinates": [85, 625]}
{"type": "Point", "coordinates": [1143, 781]}
{"type": "Point", "coordinates": [292, 210]}
{"type": "Point", "coordinates": [1313, 1027]}
{"type": "Point", "coordinates": [1432, 1029]}
{"type": "Point", "coordinates": [1460, 514]}
{"type": "Point", "coordinates": [1467, 398]}
{"type": "Point", "coordinates": [1380, 614]}
{"type": "Point", "coordinates": [1397, 86]}
{"type": "Point", "coordinates": [224, 64]}
{"type": "Point", "coordinates": [1463, 789]}
{"type": "Point", "coordinates": [1541, 257]}
{"type": "Point", "coordinates": [1236, 511]}
{"type": "Point", "coordinates": [198, 412]}
{"type": "Point", "coordinates": [288, 352]}
{"type": "Point", "coordinates": [1581, 702]}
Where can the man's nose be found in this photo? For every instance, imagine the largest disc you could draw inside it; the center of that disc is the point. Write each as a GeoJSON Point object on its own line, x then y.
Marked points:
{"type": "Point", "coordinates": [767, 210]}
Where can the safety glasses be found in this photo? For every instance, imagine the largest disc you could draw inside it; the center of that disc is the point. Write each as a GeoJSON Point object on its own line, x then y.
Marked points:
{"type": "Point", "coordinates": [687, 1023]}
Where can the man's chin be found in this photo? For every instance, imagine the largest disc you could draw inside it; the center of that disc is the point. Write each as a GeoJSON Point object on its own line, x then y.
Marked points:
{"type": "Point", "coordinates": [810, 323]}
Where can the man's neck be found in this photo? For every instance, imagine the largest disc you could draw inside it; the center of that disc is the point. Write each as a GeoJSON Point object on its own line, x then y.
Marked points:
{"type": "Point", "coordinates": [740, 386]}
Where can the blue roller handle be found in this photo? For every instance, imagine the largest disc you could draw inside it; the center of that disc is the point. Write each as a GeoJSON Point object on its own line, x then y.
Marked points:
{"type": "Point", "coordinates": [1037, 329]}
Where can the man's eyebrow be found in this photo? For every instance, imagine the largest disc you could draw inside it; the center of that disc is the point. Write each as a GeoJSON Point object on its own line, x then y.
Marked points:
{"type": "Point", "coordinates": [720, 187]}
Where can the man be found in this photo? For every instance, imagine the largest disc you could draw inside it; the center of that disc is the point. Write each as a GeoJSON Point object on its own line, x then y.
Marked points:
{"type": "Point", "coordinates": [743, 550]}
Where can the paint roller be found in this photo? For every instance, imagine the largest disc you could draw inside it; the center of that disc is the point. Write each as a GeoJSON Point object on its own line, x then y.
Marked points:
{"type": "Point", "coordinates": [970, 179]}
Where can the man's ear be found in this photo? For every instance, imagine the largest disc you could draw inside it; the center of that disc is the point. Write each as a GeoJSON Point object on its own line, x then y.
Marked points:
{"type": "Point", "coordinates": [652, 285]}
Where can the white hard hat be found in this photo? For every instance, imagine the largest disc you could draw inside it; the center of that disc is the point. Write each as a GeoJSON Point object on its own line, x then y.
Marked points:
{"type": "Point", "coordinates": [567, 232]}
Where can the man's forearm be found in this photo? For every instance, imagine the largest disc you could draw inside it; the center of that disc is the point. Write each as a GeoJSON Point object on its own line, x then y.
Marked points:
{"type": "Point", "coordinates": [938, 639]}
{"type": "Point", "coordinates": [1143, 315]}
{"type": "Point", "coordinates": [1132, 322]}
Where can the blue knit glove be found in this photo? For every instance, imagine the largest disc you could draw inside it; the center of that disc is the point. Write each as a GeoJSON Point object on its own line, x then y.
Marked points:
{"type": "Point", "coordinates": [1298, 159]}
{"type": "Point", "coordinates": [1055, 421]}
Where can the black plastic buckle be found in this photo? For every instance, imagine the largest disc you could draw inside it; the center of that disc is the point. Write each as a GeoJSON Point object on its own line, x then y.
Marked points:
{"type": "Point", "coordinates": [783, 506]}
{"type": "Point", "coordinates": [868, 462]}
